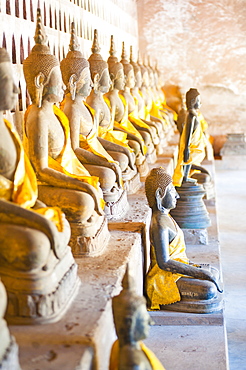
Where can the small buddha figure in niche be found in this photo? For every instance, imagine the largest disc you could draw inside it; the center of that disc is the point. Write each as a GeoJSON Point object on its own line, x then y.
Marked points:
{"type": "Point", "coordinates": [84, 131]}
{"type": "Point", "coordinates": [63, 180]}
{"type": "Point", "coordinates": [171, 277]}
{"type": "Point", "coordinates": [114, 142]}
{"type": "Point", "coordinates": [132, 323]}
{"type": "Point", "coordinates": [8, 348]}
{"type": "Point", "coordinates": [36, 263]}
{"type": "Point", "coordinates": [192, 143]}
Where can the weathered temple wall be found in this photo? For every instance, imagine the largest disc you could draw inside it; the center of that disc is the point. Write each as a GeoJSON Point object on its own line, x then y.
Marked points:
{"type": "Point", "coordinates": [201, 43]}
{"type": "Point", "coordinates": [18, 22]}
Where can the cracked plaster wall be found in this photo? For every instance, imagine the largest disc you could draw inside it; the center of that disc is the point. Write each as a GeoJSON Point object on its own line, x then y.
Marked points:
{"type": "Point", "coordinates": [201, 44]}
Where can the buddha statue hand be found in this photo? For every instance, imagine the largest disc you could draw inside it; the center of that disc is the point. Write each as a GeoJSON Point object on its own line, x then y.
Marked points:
{"type": "Point", "coordinates": [95, 195]}
{"type": "Point", "coordinates": [186, 154]}
{"type": "Point", "coordinates": [208, 275]}
{"type": "Point", "coordinates": [116, 168]}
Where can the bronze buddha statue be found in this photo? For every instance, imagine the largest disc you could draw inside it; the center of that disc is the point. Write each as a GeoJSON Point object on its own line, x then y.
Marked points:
{"type": "Point", "coordinates": [36, 264]}
{"type": "Point", "coordinates": [84, 132]}
{"type": "Point", "coordinates": [132, 323]}
{"type": "Point", "coordinates": [63, 180]}
{"type": "Point", "coordinates": [173, 282]}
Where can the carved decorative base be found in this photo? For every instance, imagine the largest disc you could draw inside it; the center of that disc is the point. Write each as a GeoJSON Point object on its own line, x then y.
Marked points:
{"type": "Point", "coordinates": [195, 306]}
{"type": "Point", "coordinates": [89, 246]}
{"type": "Point", "coordinates": [133, 185]}
{"type": "Point", "coordinates": [143, 169]}
{"type": "Point", "coordinates": [10, 359]}
{"type": "Point", "coordinates": [41, 297]}
{"type": "Point", "coordinates": [117, 210]}
{"type": "Point", "coordinates": [151, 157]}
{"type": "Point", "coordinates": [190, 212]}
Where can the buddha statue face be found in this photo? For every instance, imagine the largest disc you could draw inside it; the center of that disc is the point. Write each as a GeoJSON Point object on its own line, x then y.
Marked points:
{"type": "Point", "coordinates": [151, 78]}
{"type": "Point", "coordinates": [9, 90]}
{"type": "Point", "coordinates": [102, 83]}
{"type": "Point", "coordinates": [145, 79]}
{"type": "Point", "coordinates": [130, 79]}
{"type": "Point", "coordinates": [141, 323]}
{"type": "Point", "coordinates": [84, 83]}
{"type": "Point", "coordinates": [169, 200]}
{"type": "Point", "coordinates": [119, 81]}
{"type": "Point", "coordinates": [53, 90]}
{"type": "Point", "coordinates": [138, 79]}
{"type": "Point", "coordinates": [193, 99]}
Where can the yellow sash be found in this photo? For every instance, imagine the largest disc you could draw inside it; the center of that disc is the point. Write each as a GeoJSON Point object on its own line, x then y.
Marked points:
{"type": "Point", "coordinates": [66, 162]}
{"type": "Point", "coordinates": [91, 142]}
{"type": "Point", "coordinates": [161, 285]}
{"type": "Point", "coordinates": [197, 153]}
{"type": "Point", "coordinates": [153, 360]}
{"type": "Point", "coordinates": [23, 190]}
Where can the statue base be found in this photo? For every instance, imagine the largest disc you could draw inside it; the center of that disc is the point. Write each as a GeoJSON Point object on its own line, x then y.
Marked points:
{"type": "Point", "coordinates": [151, 157]}
{"type": "Point", "coordinates": [84, 243]}
{"type": "Point", "coordinates": [143, 169]}
{"type": "Point", "coordinates": [117, 210]}
{"type": "Point", "coordinates": [194, 306]}
{"type": "Point", "coordinates": [41, 297]}
{"type": "Point", "coordinates": [190, 212]}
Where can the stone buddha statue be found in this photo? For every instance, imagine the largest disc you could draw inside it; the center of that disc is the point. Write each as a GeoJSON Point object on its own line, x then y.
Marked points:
{"type": "Point", "coordinates": [132, 323]}
{"type": "Point", "coordinates": [8, 347]}
{"type": "Point", "coordinates": [114, 141]}
{"type": "Point", "coordinates": [196, 290]}
{"type": "Point", "coordinates": [63, 180]}
{"type": "Point", "coordinates": [154, 129]}
{"type": "Point", "coordinates": [140, 129]}
{"type": "Point", "coordinates": [84, 131]}
{"type": "Point", "coordinates": [192, 143]}
{"type": "Point", "coordinates": [36, 264]}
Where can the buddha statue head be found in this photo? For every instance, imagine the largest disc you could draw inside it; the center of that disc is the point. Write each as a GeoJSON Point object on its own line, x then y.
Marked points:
{"type": "Point", "coordinates": [193, 99]}
{"type": "Point", "coordinates": [75, 69]}
{"type": "Point", "coordinates": [150, 71]}
{"type": "Point", "coordinates": [8, 94]}
{"type": "Point", "coordinates": [131, 318]}
{"type": "Point", "coordinates": [128, 69]}
{"type": "Point", "coordinates": [99, 68]}
{"type": "Point", "coordinates": [41, 70]}
{"type": "Point", "coordinates": [137, 70]}
{"type": "Point", "coordinates": [144, 72]}
{"type": "Point", "coordinates": [116, 70]}
{"type": "Point", "coordinates": [159, 190]}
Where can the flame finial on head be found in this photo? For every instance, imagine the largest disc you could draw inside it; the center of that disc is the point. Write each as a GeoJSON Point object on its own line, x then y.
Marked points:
{"type": "Point", "coordinates": [112, 50]}
{"type": "Point", "coordinates": [40, 35]}
{"type": "Point", "coordinates": [95, 46]}
{"type": "Point", "coordinates": [123, 55]}
{"type": "Point", "coordinates": [139, 58]}
{"type": "Point", "coordinates": [74, 43]}
{"type": "Point", "coordinates": [131, 54]}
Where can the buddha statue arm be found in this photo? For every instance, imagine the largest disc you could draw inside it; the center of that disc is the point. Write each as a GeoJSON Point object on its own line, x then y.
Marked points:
{"type": "Point", "coordinates": [160, 237]}
{"type": "Point", "coordinates": [189, 128]}
{"type": "Point", "coordinates": [87, 157]}
{"type": "Point", "coordinates": [133, 137]}
{"type": "Point", "coordinates": [38, 152]}
{"type": "Point", "coordinates": [14, 214]}
{"type": "Point", "coordinates": [108, 145]}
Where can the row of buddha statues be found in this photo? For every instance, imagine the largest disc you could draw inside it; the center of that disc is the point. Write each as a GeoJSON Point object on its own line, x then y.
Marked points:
{"type": "Point", "coordinates": [81, 155]}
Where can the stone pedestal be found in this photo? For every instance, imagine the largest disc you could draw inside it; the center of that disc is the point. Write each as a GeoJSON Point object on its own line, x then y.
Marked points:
{"type": "Point", "coordinates": [190, 212]}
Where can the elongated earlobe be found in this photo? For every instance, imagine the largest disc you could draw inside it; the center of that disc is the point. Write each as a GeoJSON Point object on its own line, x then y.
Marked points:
{"type": "Point", "coordinates": [39, 84]}
{"type": "Point", "coordinates": [72, 84]}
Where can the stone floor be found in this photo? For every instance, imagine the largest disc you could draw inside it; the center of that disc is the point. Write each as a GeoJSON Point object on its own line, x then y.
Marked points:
{"type": "Point", "coordinates": [231, 213]}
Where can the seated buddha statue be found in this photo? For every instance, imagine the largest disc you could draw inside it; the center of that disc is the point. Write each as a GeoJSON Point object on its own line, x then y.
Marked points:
{"type": "Point", "coordinates": [115, 142]}
{"type": "Point", "coordinates": [154, 129]}
{"type": "Point", "coordinates": [84, 133]}
{"type": "Point", "coordinates": [119, 114]}
{"type": "Point", "coordinates": [8, 347]}
{"type": "Point", "coordinates": [36, 264]}
{"type": "Point", "coordinates": [132, 323]}
{"type": "Point", "coordinates": [63, 180]}
{"type": "Point", "coordinates": [192, 143]}
{"type": "Point", "coordinates": [173, 282]}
